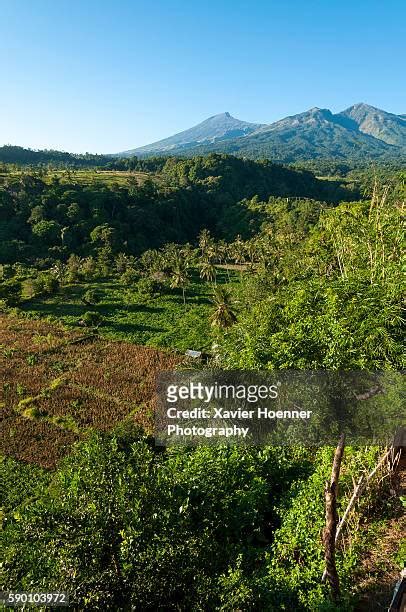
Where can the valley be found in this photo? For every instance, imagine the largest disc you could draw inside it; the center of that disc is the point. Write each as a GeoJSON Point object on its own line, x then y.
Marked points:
{"type": "Point", "coordinates": [110, 277]}
{"type": "Point", "coordinates": [202, 306]}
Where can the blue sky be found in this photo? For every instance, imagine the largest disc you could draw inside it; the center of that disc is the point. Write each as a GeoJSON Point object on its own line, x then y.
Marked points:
{"type": "Point", "coordinates": [105, 76]}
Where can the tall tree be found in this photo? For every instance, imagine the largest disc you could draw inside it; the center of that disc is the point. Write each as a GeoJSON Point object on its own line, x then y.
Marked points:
{"type": "Point", "coordinates": [223, 315]}
{"type": "Point", "coordinates": [208, 270]}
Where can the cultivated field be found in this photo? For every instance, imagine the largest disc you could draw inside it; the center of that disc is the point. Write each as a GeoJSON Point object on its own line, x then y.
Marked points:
{"type": "Point", "coordinates": [91, 177]}
{"type": "Point", "coordinates": [57, 385]}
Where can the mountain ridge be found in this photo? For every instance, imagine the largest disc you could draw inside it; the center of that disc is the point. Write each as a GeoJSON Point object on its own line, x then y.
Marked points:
{"type": "Point", "coordinates": [375, 122]}
{"type": "Point", "coordinates": [361, 131]}
{"type": "Point", "coordinates": [215, 128]}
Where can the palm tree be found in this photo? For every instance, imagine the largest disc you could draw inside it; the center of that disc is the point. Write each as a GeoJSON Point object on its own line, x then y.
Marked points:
{"type": "Point", "coordinates": [189, 255]}
{"type": "Point", "coordinates": [205, 241]}
{"type": "Point", "coordinates": [207, 270]}
{"type": "Point", "coordinates": [222, 254]}
{"type": "Point", "coordinates": [251, 248]}
{"type": "Point", "coordinates": [223, 315]}
{"type": "Point", "coordinates": [238, 250]}
{"type": "Point", "coordinates": [180, 280]}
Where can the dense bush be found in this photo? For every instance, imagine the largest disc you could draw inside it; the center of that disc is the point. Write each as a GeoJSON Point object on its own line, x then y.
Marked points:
{"type": "Point", "coordinates": [149, 287]}
{"type": "Point", "coordinates": [129, 276]}
{"type": "Point", "coordinates": [10, 292]}
{"type": "Point", "coordinates": [328, 295]}
{"type": "Point", "coordinates": [92, 296]}
{"type": "Point", "coordinates": [43, 284]}
{"type": "Point", "coordinates": [122, 525]}
{"type": "Point", "coordinates": [92, 318]}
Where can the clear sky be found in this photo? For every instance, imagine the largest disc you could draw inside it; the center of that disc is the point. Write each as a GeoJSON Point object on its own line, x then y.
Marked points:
{"type": "Point", "coordinates": [105, 76]}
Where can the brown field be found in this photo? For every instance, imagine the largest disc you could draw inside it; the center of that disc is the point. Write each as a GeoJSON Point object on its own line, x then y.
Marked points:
{"type": "Point", "coordinates": [57, 385]}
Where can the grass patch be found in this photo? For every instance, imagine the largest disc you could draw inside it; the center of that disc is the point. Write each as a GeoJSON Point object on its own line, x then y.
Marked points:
{"type": "Point", "coordinates": [91, 177]}
{"type": "Point", "coordinates": [161, 321]}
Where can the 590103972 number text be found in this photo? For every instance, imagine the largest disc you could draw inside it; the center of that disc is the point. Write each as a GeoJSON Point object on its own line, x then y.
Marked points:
{"type": "Point", "coordinates": [33, 598]}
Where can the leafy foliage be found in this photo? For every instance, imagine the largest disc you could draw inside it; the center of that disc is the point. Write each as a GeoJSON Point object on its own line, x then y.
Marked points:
{"type": "Point", "coordinates": [49, 219]}
{"type": "Point", "coordinates": [122, 524]}
{"type": "Point", "coordinates": [288, 277]}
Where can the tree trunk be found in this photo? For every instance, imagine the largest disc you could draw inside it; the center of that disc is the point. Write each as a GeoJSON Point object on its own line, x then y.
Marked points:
{"type": "Point", "coordinates": [329, 532]}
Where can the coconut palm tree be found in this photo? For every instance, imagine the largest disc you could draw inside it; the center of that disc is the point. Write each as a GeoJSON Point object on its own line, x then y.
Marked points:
{"type": "Point", "coordinates": [222, 254]}
{"type": "Point", "coordinates": [251, 248]}
{"type": "Point", "coordinates": [180, 280]}
{"type": "Point", "coordinates": [189, 255]}
{"type": "Point", "coordinates": [205, 241]}
{"type": "Point", "coordinates": [238, 250]}
{"type": "Point", "coordinates": [223, 315]}
{"type": "Point", "coordinates": [221, 251]}
{"type": "Point", "coordinates": [208, 271]}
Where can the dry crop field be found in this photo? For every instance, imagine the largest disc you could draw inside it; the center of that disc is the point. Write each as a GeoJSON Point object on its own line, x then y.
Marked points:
{"type": "Point", "coordinates": [57, 385]}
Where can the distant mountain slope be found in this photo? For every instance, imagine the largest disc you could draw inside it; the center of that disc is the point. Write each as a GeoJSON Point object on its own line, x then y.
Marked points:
{"type": "Point", "coordinates": [378, 123]}
{"type": "Point", "coordinates": [217, 128]}
{"type": "Point", "coordinates": [10, 154]}
{"type": "Point", "coordinates": [313, 134]}
{"type": "Point", "coordinates": [361, 132]}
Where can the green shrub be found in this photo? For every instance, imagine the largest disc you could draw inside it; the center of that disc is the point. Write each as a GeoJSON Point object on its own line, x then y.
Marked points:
{"type": "Point", "coordinates": [129, 277]}
{"type": "Point", "coordinates": [6, 271]}
{"type": "Point", "coordinates": [122, 526]}
{"type": "Point", "coordinates": [10, 292]}
{"type": "Point", "coordinates": [43, 284]}
{"type": "Point", "coordinates": [149, 287]}
{"type": "Point", "coordinates": [92, 296]}
{"type": "Point", "coordinates": [92, 318]}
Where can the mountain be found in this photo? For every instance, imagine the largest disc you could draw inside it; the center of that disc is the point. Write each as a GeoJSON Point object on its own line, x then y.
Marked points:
{"type": "Point", "coordinates": [313, 134]}
{"type": "Point", "coordinates": [361, 132]}
{"type": "Point", "coordinates": [215, 129]}
{"type": "Point", "coordinates": [377, 123]}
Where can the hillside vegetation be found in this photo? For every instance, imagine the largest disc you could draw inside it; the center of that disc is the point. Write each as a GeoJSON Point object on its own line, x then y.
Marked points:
{"type": "Point", "coordinates": [104, 283]}
{"type": "Point", "coordinates": [55, 216]}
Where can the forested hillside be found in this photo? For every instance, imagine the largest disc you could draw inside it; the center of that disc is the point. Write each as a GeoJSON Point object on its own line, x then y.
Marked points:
{"type": "Point", "coordinates": [107, 279]}
{"type": "Point", "coordinates": [10, 154]}
{"type": "Point", "coordinates": [49, 216]}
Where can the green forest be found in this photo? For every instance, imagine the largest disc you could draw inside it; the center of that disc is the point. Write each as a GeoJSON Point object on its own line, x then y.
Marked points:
{"type": "Point", "coordinates": [111, 269]}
